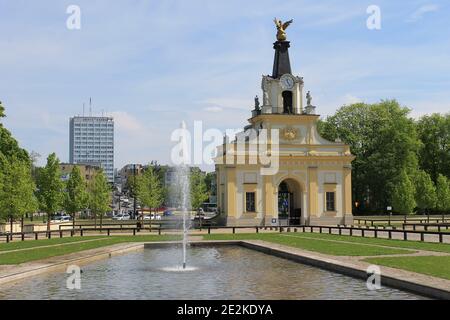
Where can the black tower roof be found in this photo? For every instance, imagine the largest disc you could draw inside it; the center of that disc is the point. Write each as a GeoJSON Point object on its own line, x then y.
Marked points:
{"type": "Point", "coordinates": [281, 63]}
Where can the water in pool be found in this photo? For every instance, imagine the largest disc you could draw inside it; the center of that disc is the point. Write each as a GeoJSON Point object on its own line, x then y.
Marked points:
{"type": "Point", "coordinates": [214, 273]}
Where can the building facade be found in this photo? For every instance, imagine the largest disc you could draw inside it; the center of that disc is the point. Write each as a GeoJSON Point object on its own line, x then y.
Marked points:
{"type": "Point", "coordinates": [86, 170]}
{"type": "Point", "coordinates": [92, 142]}
{"type": "Point", "coordinates": [312, 182]}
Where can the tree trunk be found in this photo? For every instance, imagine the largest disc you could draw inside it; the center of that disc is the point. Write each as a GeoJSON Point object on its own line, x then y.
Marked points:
{"type": "Point", "coordinates": [11, 226]}
{"type": "Point", "coordinates": [21, 225]}
{"type": "Point", "coordinates": [48, 221]}
{"type": "Point", "coordinates": [101, 222]}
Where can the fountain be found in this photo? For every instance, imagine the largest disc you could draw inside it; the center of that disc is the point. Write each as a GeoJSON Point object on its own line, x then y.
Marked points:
{"type": "Point", "coordinates": [182, 188]}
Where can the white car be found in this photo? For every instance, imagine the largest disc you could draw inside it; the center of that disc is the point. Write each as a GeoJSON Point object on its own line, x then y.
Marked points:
{"type": "Point", "coordinates": [121, 217]}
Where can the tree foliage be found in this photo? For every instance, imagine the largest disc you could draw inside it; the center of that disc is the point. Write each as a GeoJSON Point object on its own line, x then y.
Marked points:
{"type": "Point", "coordinates": [434, 155]}
{"type": "Point", "coordinates": [149, 190]}
{"type": "Point", "coordinates": [199, 193]}
{"type": "Point", "coordinates": [16, 189]}
{"type": "Point", "coordinates": [425, 191]}
{"type": "Point", "coordinates": [403, 194]}
{"type": "Point", "coordinates": [50, 187]}
{"type": "Point", "coordinates": [76, 196]}
{"type": "Point", "coordinates": [383, 138]}
{"type": "Point", "coordinates": [99, 194]}
{"type": "Point", "coordinates": [443, 193]}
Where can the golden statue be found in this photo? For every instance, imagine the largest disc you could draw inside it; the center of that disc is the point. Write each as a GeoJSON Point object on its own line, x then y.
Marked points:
{"type": "Point", "coordinates": [281, 27]}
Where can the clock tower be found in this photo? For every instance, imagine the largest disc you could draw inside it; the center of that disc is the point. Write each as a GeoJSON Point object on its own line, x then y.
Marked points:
{"type": "Point", "coordinates": [312, 181]}
{"type": "Point", "coordinates": [282, 91]}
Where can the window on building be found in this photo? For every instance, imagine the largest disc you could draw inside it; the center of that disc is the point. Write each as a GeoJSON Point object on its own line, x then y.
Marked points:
{"type": "Point", "coordinates": [331, 201]}
{"type": "Point", "coordinates": [250, 202]}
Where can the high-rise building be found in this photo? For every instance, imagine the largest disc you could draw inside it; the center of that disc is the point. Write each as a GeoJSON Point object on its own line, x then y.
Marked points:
{"type": "Point", "coordinates": [92, 142]}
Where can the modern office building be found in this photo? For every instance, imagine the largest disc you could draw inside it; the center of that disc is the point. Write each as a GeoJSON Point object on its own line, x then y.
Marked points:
{"type": "Point", "coordinates": [92, 142]}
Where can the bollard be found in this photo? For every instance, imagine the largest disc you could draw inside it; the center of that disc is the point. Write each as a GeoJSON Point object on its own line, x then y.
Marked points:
{"type": "Point", "coordinates": [23, 237]}
{"type": "Point", "coordinates": [134, 232]}
{"type": "Point", "coordinates": [303, 229]}
{"type": "Point", "coordinates": [441, 238]}
{"type": "Point", "coordinates": [7, 238]}
{"type": "Point", "coordinates": [351, 232]}
{"type": "Point", "coordinates": [108, 231]}
{"type": "Point", "coordinates": [81, 232]}
{"type": "Point", "coordinates": [295, 229]}
{"type": "Point", "coordinates": [36, 235]}
{"type": "Point", "coordinates": [329, 230]}
{"type": "Point", "coordinates": [340, 231]}
{"type": "Point", "coordinates": [209, 230]}
{"type": "Point", "coordinates": [60, 234]}
{"type": "Point", "coordinates": [405, 235]}
{"type": "Point", "coordinates": [362, 233]}
{"type": "Point", "coordinates": [422, 237]}
{"type": "Point", "coordinates": [257, 230]}
{"type": "Point", "coordinates": [159, 231]}
{"type": "Point", "coordinates": [376, 233]}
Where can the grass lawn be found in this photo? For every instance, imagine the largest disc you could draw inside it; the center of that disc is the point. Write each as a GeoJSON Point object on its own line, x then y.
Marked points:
{"type": "Point", "coordinates": [314, 244]}
{"type": "Point", "coordinates": [437, 266]}
{"type": "Point", "coordinates": [17, 244]}
{"type": "Point", "coordinates": [413, 245]}
{"type": "Point", "coordinates": [36, 253]}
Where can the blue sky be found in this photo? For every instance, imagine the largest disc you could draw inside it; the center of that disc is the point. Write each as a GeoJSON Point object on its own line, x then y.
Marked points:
{"type": "Point", "coordinates": [152, 64]}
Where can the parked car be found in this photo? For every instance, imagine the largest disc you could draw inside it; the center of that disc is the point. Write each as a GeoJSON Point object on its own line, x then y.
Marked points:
{"type": "Point", "coordinates": [167, 213]}
{"type": "Point", "coordinates": [61, 218]}
{"type": "Point", "coordinates": [121, 217]}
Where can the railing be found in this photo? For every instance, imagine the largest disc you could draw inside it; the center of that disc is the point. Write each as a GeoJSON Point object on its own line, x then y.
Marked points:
{"type": "Point", "coordinates": [402, 220]}
{"type": "Point", "coordinates": [352, 231]}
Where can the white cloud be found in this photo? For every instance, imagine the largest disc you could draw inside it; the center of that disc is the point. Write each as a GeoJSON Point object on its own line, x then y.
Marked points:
{"type": "Point", "coordinates": [419, 13]}
{"type": "Point", "coordinates": [126, 122]}
{"type": "Point", "coordinates": [213, 109]}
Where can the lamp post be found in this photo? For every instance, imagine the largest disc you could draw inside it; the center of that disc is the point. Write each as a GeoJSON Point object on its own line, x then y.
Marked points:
{"type": "Point", "coordinates": [389, 209]}
{"type": "Point", "coordinates": [134, 191]}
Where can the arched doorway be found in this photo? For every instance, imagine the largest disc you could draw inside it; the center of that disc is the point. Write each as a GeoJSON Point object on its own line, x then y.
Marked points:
{"type": "Point", "coordinates": [287, 102]}
{"type": "Point", "coordinates": [289, 202]}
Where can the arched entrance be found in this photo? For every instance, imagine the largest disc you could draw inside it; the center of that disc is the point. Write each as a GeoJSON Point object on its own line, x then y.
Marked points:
{"type": "Point", "coordinates": [289, 202]}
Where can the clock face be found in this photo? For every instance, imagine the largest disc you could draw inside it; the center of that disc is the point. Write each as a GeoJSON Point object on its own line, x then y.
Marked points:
{"type": "Point", "coordinates": [287, 82]}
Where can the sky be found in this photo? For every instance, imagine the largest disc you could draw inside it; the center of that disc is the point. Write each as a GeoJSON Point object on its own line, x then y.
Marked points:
{"type": "Point", "coordinates": [152, 64]}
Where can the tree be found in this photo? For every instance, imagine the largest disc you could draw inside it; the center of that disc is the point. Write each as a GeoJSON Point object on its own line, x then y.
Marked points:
{"type": "Point", "coordinates": [198, 189]}
{"type": "Point", "coordinates": [16, 190]}
{"type": "Point", "coordinates": [99, 196]}
{"type": "Point", "coordinates": [443, 194]}
{"type": "Point", "coordinates": [2, 110]}
{"type": "Point", "coordinates": [50, 188]}
{"type": "Point", "coordinates": [383, 138]}
{"type": "Point", "coordinates": [403, 194]}
{"type": "Point", "coordinates": [425, 192]}
{"type": "Point", "coordinates": [76, 197]}
{"type": "Point", "coordinates": [149, 190]}
{"type": "Point", "coordinates": [434, 155]}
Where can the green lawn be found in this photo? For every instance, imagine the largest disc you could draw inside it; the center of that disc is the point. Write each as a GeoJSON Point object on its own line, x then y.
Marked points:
{"type": "Point", "coordinates": [437, 266]}
{"type": "Point", "coordinates": [36, 253]}
{"type": "Point", "coordinates": [17, 244]}
{"type": "Point", "coordinates": [314, 244]}
{"type": "Point", "coordinates": [413, 245]}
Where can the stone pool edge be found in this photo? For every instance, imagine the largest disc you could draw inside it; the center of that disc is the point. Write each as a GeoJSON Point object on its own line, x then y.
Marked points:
{"type": "Point", "coordinates": [391, 277]}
